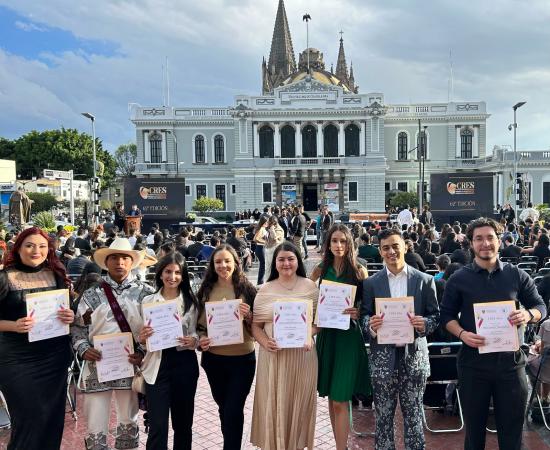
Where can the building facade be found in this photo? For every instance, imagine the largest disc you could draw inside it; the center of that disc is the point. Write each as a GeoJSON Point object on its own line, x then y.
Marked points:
{"type": "Point", "coordinates": [311, 138]}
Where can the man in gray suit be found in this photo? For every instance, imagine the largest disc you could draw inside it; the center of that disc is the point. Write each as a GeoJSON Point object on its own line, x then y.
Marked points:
{"type": "Point", "coordinates": [399, 371]}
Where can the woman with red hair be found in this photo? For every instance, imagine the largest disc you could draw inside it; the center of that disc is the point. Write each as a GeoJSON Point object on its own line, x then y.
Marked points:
{"type": "Point", "coordinates": [33, 375]}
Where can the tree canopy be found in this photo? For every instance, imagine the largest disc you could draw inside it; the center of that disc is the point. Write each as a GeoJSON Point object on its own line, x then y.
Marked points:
{"type": "Point", "coordinates": [204, 204]}
{"type": "Point", "coordinates": [125, 158]}
{"type": "Point", "coordinates": [63, 149]}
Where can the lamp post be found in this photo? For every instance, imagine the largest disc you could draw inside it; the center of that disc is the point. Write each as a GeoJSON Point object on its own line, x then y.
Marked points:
{"type": "Point", "coordinates": [515, 125]}
{"type": "Point", "coordinates": [96, 205]}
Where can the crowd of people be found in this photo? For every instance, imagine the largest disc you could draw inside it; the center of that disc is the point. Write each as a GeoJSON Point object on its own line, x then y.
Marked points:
{"type": "Point", "coordinates": [111, 275]}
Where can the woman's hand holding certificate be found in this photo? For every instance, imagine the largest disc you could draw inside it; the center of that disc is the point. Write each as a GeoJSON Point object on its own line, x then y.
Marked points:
{"type": "Point", "coordinates": [335, 305]}
{"type": "Point", "coordinates": [50, 313]}
{"type": "Point", "coordinates": [224, 322]}
{"type": "Point", "coordinates": [163, 325]}
{"type": "Point", "coordinates": [292, 324]}
{"type": "Point", "coordinates": [395, 323]}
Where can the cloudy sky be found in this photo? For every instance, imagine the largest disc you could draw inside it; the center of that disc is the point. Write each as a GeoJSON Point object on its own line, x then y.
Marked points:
{"type": "Point", "coordinates": [59, 58]}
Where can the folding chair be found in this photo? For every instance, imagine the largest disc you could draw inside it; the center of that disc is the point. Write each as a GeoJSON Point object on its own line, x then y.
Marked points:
{"type": "Point", "coordinates": [543, 271]}
{"type": "Point", "coordinates": [509, 259]}
{"type": "Point", "coordinates": [528, 258]}
{"type": "Point", "coordinates": [544, 360]}
{"type": "Point", "coordinates": [443, 372]}
{"type": "Point", "coordinates": [75, 369]}
{"type": "Point", "coordinates": [5, 421]}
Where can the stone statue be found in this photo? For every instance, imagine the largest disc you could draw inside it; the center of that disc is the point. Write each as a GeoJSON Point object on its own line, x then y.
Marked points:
{"type": "Point", "coordinates": [20, 207]}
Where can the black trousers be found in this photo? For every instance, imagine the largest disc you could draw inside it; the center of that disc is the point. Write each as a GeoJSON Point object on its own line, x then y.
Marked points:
{"type": "Point", "coordinates": [500, 376]}
{"type": "Point", "coordinates": [173, 391]}
{"type": "Point", "coordinates": [230, 378]}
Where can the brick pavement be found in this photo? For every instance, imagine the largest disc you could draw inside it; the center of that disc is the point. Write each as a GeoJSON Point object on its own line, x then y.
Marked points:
{"type": "Point", "coordinates": [207, 435]}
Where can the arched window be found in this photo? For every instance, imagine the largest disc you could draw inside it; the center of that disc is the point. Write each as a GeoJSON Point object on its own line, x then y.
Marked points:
{"type": "Point", "coordinates": [352, 140]}
{"type": "Point", "coordinates": [288, 144]}
{"type": "Point", "coordinates": [266, 142]}
{"type": "Point", "coordinates": [309, 141]}
{"type": "Point", "coordinates": [155, 145]}
{"type": "Point", "coordinates": [200, 154]}
{"type": "Point", "coordinates": [466, 137]}
{"type": "Point", "coordinates": [219, 149]}
{"type": "Point", "coordinates": [402, 145]}
{"type": "Point", "coordinates": [330, 136]}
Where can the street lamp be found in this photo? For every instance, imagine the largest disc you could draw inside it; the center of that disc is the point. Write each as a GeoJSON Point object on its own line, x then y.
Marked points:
{"type": "Point", "coordinates": [515, 126]}
{"type": "Point", "coordinates": [96, 205]}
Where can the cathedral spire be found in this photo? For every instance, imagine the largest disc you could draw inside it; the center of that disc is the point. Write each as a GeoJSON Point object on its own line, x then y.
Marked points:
{"type": "Point", "coordinates": [341, 65]}
{"type": "Point", "coordinates": [281, 58]}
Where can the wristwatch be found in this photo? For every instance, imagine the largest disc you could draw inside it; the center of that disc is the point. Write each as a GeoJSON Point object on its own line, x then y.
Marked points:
{"type": "Point", "coordinates": [531, 316]}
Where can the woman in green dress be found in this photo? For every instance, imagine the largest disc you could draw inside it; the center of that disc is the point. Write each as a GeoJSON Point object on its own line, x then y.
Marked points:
{"type": "Point", "coordinates": [343, 361]}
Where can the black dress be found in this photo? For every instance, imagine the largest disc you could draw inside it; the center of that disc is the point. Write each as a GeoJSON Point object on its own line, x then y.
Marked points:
{"type": "Point", "coordinates": [33, 376]}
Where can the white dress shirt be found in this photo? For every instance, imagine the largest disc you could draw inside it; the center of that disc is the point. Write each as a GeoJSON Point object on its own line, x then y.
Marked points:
{"type": "Point", "coordinates": [398, 283]}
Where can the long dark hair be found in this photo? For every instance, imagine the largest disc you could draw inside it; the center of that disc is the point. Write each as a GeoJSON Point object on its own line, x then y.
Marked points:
{"type": "Point", "coordinates": [52, 262]}
{"type": "Point", "coordinates": [287, 246]}
{"type": "Point", "coordinates": [189, 298]}
{"type": "Point", "coordinates": [351, 271]}
{"type": "Point", "coordinates": [260, 224]}
{"type": "Point", "coordinates": [241, 285]}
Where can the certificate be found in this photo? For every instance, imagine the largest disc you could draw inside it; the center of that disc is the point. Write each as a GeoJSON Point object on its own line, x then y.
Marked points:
{"type": "Point", "coordinates": [165, 319]}
{"type": "Point", "coordinates": [292, 323]}
{"type": "Point", "coordinates": [333, 299]}
{"type": "Point", "coordinates": [114, 363]}
{"type": "Point", "coordinates": [396, 327]}
{"type": "Point", "coordinates": [492, 323]}
{"type": "Point", "coordinates": [224, 323]}
{"type": "Point", "coordinates": [43, 307]}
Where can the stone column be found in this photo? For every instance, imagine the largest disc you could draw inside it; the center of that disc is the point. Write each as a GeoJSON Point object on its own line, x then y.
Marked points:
{"type": "Point", "coordinates": [341, 140]}
{"type": "Point", "coordinates": [475, 142]}
{"type": "Point", "coordinates": [320, 142]}
{"type": "Point", "coordinates": [256, 139]}
{"type": "Point", "coordinates": [458, 152]}
{"type": "Point", "coordinates": [362, 139]}
{"type": "Point", "coordinates": [298, 140]}
{"type": "Point", "coordinates": [277, 140]}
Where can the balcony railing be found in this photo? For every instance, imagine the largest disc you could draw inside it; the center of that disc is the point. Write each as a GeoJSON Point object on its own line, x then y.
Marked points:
{"type": "Point", "coordinates": [155, 167]}
{"type": "Point", "coordinates": [307, 161]}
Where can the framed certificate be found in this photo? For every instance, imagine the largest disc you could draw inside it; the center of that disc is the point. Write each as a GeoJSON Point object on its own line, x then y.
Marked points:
{"type": "Point", "coordinates": [224, 323]}
{"type": "Point", "coordinates": [164, 318]}
{"type": "Point", "coordinates": [292, 323]}
{"type": "Point", "coordinates": [333, 299]}
{"type": "Point", "coordinates": [114, 363]}
{"type": "Point", "coordinates": [43, 307]}
{"type": "Point", "coordinates": [492, 323]}
{"type": "Point", "coordinates": [396, 327]}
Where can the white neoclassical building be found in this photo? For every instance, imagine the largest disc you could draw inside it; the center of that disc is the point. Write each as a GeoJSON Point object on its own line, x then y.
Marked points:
{"type": "Point", "coordinates": [312, 138]}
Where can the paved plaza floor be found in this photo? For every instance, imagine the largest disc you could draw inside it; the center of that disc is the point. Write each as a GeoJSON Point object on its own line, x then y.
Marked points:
{"type": "Point", "coordinates": [207, 434]}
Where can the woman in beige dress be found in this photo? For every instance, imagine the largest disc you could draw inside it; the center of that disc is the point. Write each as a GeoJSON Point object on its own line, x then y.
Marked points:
{"type": "Point", "coordinates": [285, 400]}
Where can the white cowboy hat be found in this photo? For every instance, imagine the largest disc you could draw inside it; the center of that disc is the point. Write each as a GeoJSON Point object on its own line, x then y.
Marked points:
{"type": "Point", "coordinates": [120, 246]}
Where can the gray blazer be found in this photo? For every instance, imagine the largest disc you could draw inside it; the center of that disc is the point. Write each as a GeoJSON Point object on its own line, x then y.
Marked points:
{"type": "Point", "coordinates": [422, 288]}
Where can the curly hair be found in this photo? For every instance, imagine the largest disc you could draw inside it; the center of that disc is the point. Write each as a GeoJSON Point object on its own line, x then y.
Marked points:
{"type": "Point", "coordinates": [482, 222]}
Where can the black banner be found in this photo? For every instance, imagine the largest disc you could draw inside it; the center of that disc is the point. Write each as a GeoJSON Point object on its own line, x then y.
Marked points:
{"type": "Point", "coordinates": [462, 194]}
{"type": "Point", "coordinates": [158, 199]}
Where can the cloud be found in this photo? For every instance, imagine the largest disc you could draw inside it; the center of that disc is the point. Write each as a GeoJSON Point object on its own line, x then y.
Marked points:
{"type": "Point", "coordinates": [215, 47]}
{"type": "Point", "coordinates": [29, 26]}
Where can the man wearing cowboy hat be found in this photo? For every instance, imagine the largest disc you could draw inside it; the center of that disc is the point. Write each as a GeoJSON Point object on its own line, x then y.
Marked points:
{"type": "Point", "coordinates": [99, 313]}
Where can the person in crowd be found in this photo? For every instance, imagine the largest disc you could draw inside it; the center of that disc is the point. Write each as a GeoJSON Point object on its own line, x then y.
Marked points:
{"type": "Point", "coordinates": [171, 374]}
{"type": "Point", "coordinates": [284, 221]}
{"type": "Point", "coordinates": [425, 252]}
{"type": "Point", "coordinates": [541, 250]}
{"type": "Point", "coordinates": [308, 224]}
{"type": "Point", "coordinates": [229, 368]}
{"type": "Point", "coordinates": [110, 307]}
{"type": "Point", "coordinates": [510, 231]}
{"type": "Point", "coordinates": [399, 371]}
{"type": "Point", "coordinates": [132, 236]}
{"type": "Point", "coordinates": [509, 214]}
{"type": "Point", "coordinates": [134, 211]}
{"type": "Point", "coordinates": [497, 375]}
{"type": "Point", "coordinates": [275, 236]}
{"type": "Point", "coordinates": [194, 249]}
{"type": "Point", "coordinates": [534, 367]}
{"type": "Point", "coordinates": [343, 360]}
{"type": "Point", "coordinates": [426, 216]}
{"type": "Point", "coordinates": [237, 240]}
{"type": "Point", "coordinates": [285, 399]}
{"type": "Point", "coordinates": [81, 242]}
{"type": "Point", "coordinates": [405, 218]}
{"type": "Point", "coordinates": [441, 263]}
{"type": "Point", "coordinates": [449, 244]}
{"type": "Point", "coordinates": [462, 255]}
{"type": "Point", "coordinates": [326, 223]}
{"type": "Point", "coordinates": [529, 213]}
{"type": "Point", "coordinates": [368, 251]}
{"type": "Point", "coordinates": [510, 250]}
{"type": "Point", "coordinates": [298, 229]}
{"type": "Point", "coordinates": [207, 250]}
{"type": "Point", "coordinates": [33, 375]}
{"type": "Point", "coordinates": [76, 265]}
{"type": "Point", "coordinates": [412, 258]}
{"type": "Point", "coordinates": [260, 236]}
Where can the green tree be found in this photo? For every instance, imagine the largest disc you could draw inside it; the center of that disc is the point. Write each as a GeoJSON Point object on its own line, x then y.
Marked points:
{"type": "Point", "coordinates": [63, 149]}
{"type": "Point", "coordinates": [42, 201]}
{"type": "Point", "coordinates": [205, 204]}
{"type": "Point", "coordinates": [125, 158]}
{"type": "Point", "coordinates": [401, 199]}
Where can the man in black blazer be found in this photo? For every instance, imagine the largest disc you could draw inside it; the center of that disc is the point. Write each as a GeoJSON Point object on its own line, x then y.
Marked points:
{"type": "Point", "coordinates": [399, 371]}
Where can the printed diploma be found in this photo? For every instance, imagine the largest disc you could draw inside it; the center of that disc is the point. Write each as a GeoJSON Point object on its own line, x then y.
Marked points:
{"type": "Point", "coordinates": [396, 327]}
{"type": "Point", "coordinates": [114, 363]}
{"type": "Point", "coordinates": [43, 307]}
{"type": "Point", "coordinates": [292, 323]}
{"type": "Point", "coordinates": [492, 323]}
{"type": "Point", "coordinates": [334, 298]}
{"type": "Point", "coordinates": [224, 323]}
{"type": "Point", "coordinates": [165, 319]}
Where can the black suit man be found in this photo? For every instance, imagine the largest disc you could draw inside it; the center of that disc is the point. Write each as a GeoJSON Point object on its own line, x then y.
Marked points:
{"type": "Point", "coordinates": [399, 371]}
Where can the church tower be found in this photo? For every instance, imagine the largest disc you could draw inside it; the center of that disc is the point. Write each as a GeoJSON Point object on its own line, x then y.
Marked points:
{"type": "Point", "coordinates": [341, 65]}
{"type": "Point", "coordinates": [281, 61]}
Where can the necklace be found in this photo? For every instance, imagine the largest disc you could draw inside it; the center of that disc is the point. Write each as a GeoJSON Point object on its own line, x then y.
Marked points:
{"type": "Point", "coordinates": [288, 288]}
